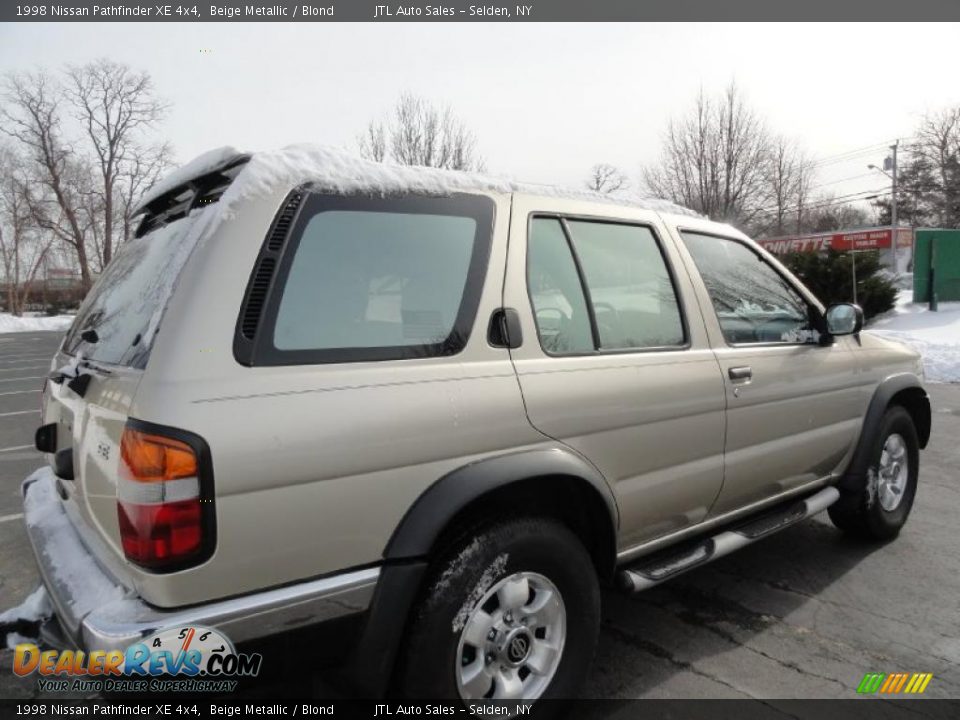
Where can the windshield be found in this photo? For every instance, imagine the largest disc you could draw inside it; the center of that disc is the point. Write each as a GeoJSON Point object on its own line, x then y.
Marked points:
{"type": "Point", "coordinates": [125, 304]}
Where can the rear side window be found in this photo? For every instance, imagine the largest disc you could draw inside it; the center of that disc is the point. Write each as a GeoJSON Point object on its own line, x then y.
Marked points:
{"type": "Point", "coordinates": [376, 279]}
{"type": "Point", "coordinates": [563, 321]}
{"type": "Point", "coordinates": [633, 296]}
{"type": "Point", "coordinates": [600, 286]}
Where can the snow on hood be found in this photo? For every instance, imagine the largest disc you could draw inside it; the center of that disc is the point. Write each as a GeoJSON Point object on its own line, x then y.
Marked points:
{"type": "Point", "coordinates": [339, 171]}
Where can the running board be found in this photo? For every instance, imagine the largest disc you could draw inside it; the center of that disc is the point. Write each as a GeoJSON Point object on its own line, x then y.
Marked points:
{"type": "Point", "coordinates": [649, 572]}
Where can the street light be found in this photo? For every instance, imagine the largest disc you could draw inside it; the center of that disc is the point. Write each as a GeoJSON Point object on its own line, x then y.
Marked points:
{"type": "Point", "coordinates": [890, 163]}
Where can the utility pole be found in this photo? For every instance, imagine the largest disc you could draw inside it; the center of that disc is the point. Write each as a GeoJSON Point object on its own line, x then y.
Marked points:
{"type": "Point", "coordinates": [853, 260]}
{"type": "Point", "coordinates": [893, 204]}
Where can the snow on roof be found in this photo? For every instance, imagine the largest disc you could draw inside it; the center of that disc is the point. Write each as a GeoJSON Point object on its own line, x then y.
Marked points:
{"type": "Point", "coordinates": [200, 165]}
{"type": "Point", "coordinates": [339, 171]}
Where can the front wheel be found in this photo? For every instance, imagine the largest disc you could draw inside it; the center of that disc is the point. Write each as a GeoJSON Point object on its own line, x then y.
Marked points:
{"type": "Point", "coordinates": [880, 508]}
{"type": "Point", "coordinates": [509, 613]}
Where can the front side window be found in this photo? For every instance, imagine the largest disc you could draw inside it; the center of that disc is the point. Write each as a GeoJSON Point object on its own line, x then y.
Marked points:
{"type": "Point", "coordinates": [600, 286]}
{"type": "Point", "coordinates": [753, 302]}
{"type": "Point", "coordinates": [375, 279]}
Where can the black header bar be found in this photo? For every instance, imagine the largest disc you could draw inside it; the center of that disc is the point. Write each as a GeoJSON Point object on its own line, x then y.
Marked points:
{"type": "Point", "coordinates": [458, 11]}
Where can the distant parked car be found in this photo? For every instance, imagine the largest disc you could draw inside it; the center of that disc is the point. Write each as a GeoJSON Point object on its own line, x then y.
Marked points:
{"type": "Point", "coordinates": [441, 410]}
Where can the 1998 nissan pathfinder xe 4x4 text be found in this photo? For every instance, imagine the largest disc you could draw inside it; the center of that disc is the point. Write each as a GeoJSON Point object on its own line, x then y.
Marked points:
{"type": "Point", "coordinates": [441, 410]}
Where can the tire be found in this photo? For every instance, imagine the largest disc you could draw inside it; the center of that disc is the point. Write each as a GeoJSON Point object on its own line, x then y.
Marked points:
{"type": "Point", "coordinates": [876, 512]}
{"type": "Point", "coordinates": [478, 584]}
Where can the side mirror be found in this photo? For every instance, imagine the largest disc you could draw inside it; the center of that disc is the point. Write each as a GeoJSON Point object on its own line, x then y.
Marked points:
{"type": "Point", "coordinates": [844, 319]}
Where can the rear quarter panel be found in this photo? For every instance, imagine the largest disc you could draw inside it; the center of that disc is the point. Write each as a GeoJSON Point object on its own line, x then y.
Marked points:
{"type": "Point", "coordinates": [314, 465]}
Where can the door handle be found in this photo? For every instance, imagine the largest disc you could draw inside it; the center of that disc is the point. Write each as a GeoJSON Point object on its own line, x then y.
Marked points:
{"type": "Point", "coordinates": [744, 372]}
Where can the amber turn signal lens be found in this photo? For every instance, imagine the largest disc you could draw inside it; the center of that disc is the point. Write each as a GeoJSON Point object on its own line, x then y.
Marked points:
{"type": "Point", "coordinates": [153, 458]}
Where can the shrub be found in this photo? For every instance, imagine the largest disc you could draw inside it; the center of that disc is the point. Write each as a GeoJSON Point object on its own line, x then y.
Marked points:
{"type": "Point", "coordinates": [830, 277]}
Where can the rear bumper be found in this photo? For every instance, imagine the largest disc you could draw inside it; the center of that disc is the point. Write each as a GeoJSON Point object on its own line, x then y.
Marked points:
{"type": "Point", "coordinates": [96, 613]}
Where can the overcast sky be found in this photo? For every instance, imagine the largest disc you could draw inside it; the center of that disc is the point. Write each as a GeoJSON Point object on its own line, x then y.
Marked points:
{"type": "Point", "coordinates": [546, 101]}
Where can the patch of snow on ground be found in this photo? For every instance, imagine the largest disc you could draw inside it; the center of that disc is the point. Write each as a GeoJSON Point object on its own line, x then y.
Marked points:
{"type": "Point", "coordinates": [35, 607]}
{"type": "Point", "coordinates": [33, 323]}
{"type": "Point", "coordinates": [14, 639]}
{"type": "Point", "coordinates": [66, 556]}
{"type": "Point", "coordinates": [935, 335]}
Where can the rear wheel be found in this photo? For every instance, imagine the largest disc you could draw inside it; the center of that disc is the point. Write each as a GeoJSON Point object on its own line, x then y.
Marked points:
{"type": "Point", "coordinates": [880, 508]}
{"type": "Point", "coordinates": [511, 612]}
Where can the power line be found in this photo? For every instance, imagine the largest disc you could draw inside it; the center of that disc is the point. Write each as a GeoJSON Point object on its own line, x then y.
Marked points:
{"type": "Point", "coordinates": [848, 155]}
{"type": "Point", "coordinates": [827, 202]}
{"type": "Point", "coordinates": [846, 179]}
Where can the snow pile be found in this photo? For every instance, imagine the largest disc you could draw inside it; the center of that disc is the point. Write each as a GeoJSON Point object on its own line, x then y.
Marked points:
{"type": "Point", "coordinates": [33, 323]}
{"type": "Point", "coordinates": [25, 617]}
{"type": "Point", "coordinates": [336, 170]}
{"type": "Point", "coordinates": [35, 607]}
{"type": "Point", "coordinates": [14, 639]}
{"type": "Point", "coordinates": [935, 335]}
{"type": "Point", "coordinates": [65, 556]}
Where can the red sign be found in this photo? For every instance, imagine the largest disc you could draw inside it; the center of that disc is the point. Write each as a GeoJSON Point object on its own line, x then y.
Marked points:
{"type": "Point", "coordinates": [869, 239]}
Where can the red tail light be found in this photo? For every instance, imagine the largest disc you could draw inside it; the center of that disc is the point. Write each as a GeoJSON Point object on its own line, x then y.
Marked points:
{"type": "Point", "coordinates": [165, 516]}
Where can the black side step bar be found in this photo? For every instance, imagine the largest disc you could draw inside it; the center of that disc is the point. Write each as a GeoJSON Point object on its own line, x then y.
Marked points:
{"type": "Point", "coordinates": [647, 573]}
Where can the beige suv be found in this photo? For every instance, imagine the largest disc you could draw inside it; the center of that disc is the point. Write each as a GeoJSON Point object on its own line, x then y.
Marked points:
{"type": "Point", "coordinates": [438, 412]}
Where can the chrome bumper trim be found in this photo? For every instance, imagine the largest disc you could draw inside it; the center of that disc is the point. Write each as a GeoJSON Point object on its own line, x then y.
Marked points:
{"type": "Point", "coordinates": [125, 618]}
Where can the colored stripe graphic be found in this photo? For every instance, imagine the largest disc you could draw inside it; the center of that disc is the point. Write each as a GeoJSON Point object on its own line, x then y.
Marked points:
{"type": "Point", "coordinates": [894, 683]}
{"type": "Point", "coordinates": [870, 683]}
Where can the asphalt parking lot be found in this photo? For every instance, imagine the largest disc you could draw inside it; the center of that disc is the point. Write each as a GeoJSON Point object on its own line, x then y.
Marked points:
{"type": "Point", "coordinates": [803, 614]}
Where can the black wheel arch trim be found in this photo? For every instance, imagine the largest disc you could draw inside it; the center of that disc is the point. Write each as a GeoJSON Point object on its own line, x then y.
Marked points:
{"type": "Point", "coordinates": [885, 393]}
{"type": "Point", "coordinates": [430, 513]}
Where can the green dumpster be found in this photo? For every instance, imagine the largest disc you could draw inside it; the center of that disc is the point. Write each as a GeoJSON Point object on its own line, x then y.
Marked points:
{"type": "Point", "coordinates": [942, 249]}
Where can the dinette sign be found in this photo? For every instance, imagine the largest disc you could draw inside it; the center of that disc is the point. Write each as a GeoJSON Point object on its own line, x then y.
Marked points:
{"type": "Point", "coordinates": [869, 239]}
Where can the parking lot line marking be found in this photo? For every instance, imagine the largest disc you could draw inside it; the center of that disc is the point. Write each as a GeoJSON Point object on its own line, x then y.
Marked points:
{"type": "Point", "coordinates": [25, 377]}
{"type": "Point", "coordinates": [8, 518]}
{"type": "Point", "coordinates": [15, 448]}
{"type": "Point", "coordinates": [19, 412]}
{"type": "Point", "coordinates": [19, 392]}
{"type": "Point", "coordinates": [26, 367]}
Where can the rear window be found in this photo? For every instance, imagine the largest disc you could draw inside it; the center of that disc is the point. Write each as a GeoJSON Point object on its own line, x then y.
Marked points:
{"type": "Point", "coordinates": [125, 304]}
{"type": "Point", "coordinates": [378, 279]}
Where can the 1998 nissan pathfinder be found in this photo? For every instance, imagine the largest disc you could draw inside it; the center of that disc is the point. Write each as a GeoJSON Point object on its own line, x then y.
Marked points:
{"type": "Point", "coordinates": [444, 410]}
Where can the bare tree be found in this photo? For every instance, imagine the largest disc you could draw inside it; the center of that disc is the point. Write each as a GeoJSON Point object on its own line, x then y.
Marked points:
{"type": "Point", "coordinates": [714, 159]}
{"type": "Point", "coordinates": [607, 179]}
{"type": "Point", "coordinates": [421, 133]}
{"type": "Point", "coordinates": [825, 214]}
{"type": "Point", "coordinates": [115, 105]}
{"type": "Point", "coordinates": [788, 179]}
{"type": "Point", "coordinates": [932, 173]}
{"type": "Point", "coordinates": [143, 167]}
{"type": "Point", "coordinates": [33, 118]}
{"type": "Point", "coordinates": [22, 252]}
{"type": "Point", "coordinates": [373, 142]}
